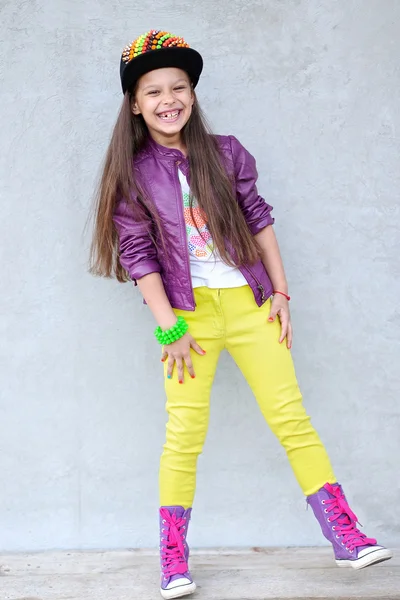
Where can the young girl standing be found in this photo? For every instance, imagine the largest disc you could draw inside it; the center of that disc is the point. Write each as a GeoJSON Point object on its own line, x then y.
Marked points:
{"type": "Point", "coordinates": [179, 213]}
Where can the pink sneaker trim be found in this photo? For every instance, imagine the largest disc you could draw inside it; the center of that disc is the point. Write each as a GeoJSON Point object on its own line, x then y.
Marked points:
{"type": "Point", "coordinates": [346, 520]}
{"type": "Point", "coordinates": [173, 560]}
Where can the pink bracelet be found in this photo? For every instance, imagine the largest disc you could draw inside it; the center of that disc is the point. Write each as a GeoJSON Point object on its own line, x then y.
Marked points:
{"type": "Point", "coordinates": [282, 294]}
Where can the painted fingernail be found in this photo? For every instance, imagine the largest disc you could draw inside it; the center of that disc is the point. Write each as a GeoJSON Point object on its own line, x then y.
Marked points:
{"type": "Point", "coordinates": [181, 382]}
{"type": "Point", "coordinates": [204, 352]}
{"type": "Point", "coordinates": [270, 319]}
{"type": "Point", "coordinates": [163, 359]}
{"type": "Point", "coordinates": [193, 376]}
{"type": "Point", "coordinates": [169, 376]}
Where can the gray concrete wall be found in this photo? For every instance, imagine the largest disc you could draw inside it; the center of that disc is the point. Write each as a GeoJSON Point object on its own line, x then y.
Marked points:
{"type": "Point", "coordinates": [311, 87]}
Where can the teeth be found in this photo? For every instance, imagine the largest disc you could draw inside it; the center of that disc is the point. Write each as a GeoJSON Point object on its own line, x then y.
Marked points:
{"type": "Point", "coordinates": [169, 115]}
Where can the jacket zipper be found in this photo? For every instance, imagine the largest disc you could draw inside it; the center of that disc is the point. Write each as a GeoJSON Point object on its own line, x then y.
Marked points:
{"type": "Point", "coordinates": [180, 195]}
{"type": "Point", "coordinates": [259, 286]}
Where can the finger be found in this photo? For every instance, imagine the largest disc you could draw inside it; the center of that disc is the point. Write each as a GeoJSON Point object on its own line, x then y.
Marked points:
{"type": "Point", "coordinates": [164, 355]}
{"type": "Point", "coordinates": [272, 315]}
{"type": "Point", "coordinates": [189, 365]}
{"type": "Point", "coordinates": [170, 369]}
{"type": "Point", "coordinates": [284, 327]}
{"type": "Point", "coordinates": [197, 348]}
{"type": "Point", "coordinates": [179, 368]}
{"type": "Point", "coordinates": [289, 337]}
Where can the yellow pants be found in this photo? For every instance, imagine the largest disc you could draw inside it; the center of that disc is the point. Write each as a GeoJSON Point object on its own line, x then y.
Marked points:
{"type": "Point", "coordinates": [230, 319]}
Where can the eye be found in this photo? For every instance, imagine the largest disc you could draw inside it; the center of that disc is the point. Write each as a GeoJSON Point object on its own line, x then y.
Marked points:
{"type": "Point", "coordinates": [152, 92]}
{"type": "Point", "coordinates": [181, 87]}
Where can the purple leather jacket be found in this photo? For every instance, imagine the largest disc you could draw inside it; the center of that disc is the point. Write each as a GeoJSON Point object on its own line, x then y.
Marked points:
{"type": "Point", "coordinates": [156, 168]}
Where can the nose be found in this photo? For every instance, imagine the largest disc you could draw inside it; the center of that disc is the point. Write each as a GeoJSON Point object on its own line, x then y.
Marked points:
{"type": "Point", "coordinates": [168, 98]}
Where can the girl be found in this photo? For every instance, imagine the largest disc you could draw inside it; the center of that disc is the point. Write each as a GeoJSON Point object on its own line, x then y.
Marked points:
{"type": "Point", "coordinates": [178, 213]}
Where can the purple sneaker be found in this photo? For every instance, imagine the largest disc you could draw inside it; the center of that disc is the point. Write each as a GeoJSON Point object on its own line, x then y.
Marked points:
{"type": "Point", "coordinates": [176, 580]}
{"type": "Point", "coordinates": [351, 547]}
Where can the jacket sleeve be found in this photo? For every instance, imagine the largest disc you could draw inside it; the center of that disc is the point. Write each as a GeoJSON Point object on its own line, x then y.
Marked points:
{"type": "Point", "coordinates": [137, 251]}
{"type": "Point", "coordinates": [255, 209]}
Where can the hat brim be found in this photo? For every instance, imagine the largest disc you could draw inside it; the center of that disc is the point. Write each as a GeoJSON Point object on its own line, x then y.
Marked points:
{"type": "Point", "coordinates": [187, 59]}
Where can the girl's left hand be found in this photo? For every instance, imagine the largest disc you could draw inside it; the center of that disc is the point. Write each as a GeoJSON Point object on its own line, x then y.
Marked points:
{"type": "Point", "coordinates": [280, 308]}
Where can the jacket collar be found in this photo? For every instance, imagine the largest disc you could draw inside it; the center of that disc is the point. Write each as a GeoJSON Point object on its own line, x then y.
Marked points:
{"type": "Point", "coordinates": [162, 151]}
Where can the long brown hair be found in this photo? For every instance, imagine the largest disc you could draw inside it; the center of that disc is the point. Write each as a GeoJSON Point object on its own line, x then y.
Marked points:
{"type": "Point", "coordinates": [209, 181]}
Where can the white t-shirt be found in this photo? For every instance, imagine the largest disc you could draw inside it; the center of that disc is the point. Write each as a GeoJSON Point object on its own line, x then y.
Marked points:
{"type": "Point", "coordinates": [206, 267]}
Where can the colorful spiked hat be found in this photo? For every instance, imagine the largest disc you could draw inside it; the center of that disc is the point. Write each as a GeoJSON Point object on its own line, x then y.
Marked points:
{"type": "Point", "coordinates": [156, 50]}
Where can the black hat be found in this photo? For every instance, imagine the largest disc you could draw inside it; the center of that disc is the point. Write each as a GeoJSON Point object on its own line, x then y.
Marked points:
{"type": "Point", "coordinates": [156, 50]}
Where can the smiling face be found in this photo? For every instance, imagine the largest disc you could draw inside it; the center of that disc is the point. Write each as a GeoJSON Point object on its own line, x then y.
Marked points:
{"type": "Point", "coordinates": [164, 98]}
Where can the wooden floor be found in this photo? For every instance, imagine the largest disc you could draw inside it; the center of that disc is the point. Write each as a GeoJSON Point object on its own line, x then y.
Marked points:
{"type": "Point", "coordinates": [257, 574]}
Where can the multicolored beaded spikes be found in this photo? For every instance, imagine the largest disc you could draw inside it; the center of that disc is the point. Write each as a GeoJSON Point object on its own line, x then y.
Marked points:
{"type": "Point", "coordinates": [152, 40]}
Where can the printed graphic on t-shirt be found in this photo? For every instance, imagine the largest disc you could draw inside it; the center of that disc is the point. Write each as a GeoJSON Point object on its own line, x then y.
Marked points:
{"type": "Point", "coordinates": [200, 246]}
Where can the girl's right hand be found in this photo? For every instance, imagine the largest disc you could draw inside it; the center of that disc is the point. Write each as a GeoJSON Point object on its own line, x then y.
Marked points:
{"type": "Point", "coordinates": [178, 353]}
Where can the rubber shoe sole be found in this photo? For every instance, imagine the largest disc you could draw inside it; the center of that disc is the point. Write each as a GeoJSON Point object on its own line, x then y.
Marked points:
{"type": "Point", "coordinates": [372, 558]}
{"type": "Point", "coordinates": [179, 591]}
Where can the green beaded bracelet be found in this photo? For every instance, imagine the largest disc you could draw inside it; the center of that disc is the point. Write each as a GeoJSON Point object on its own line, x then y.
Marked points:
{"type": "Point", "coordinates": [172, 334]}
